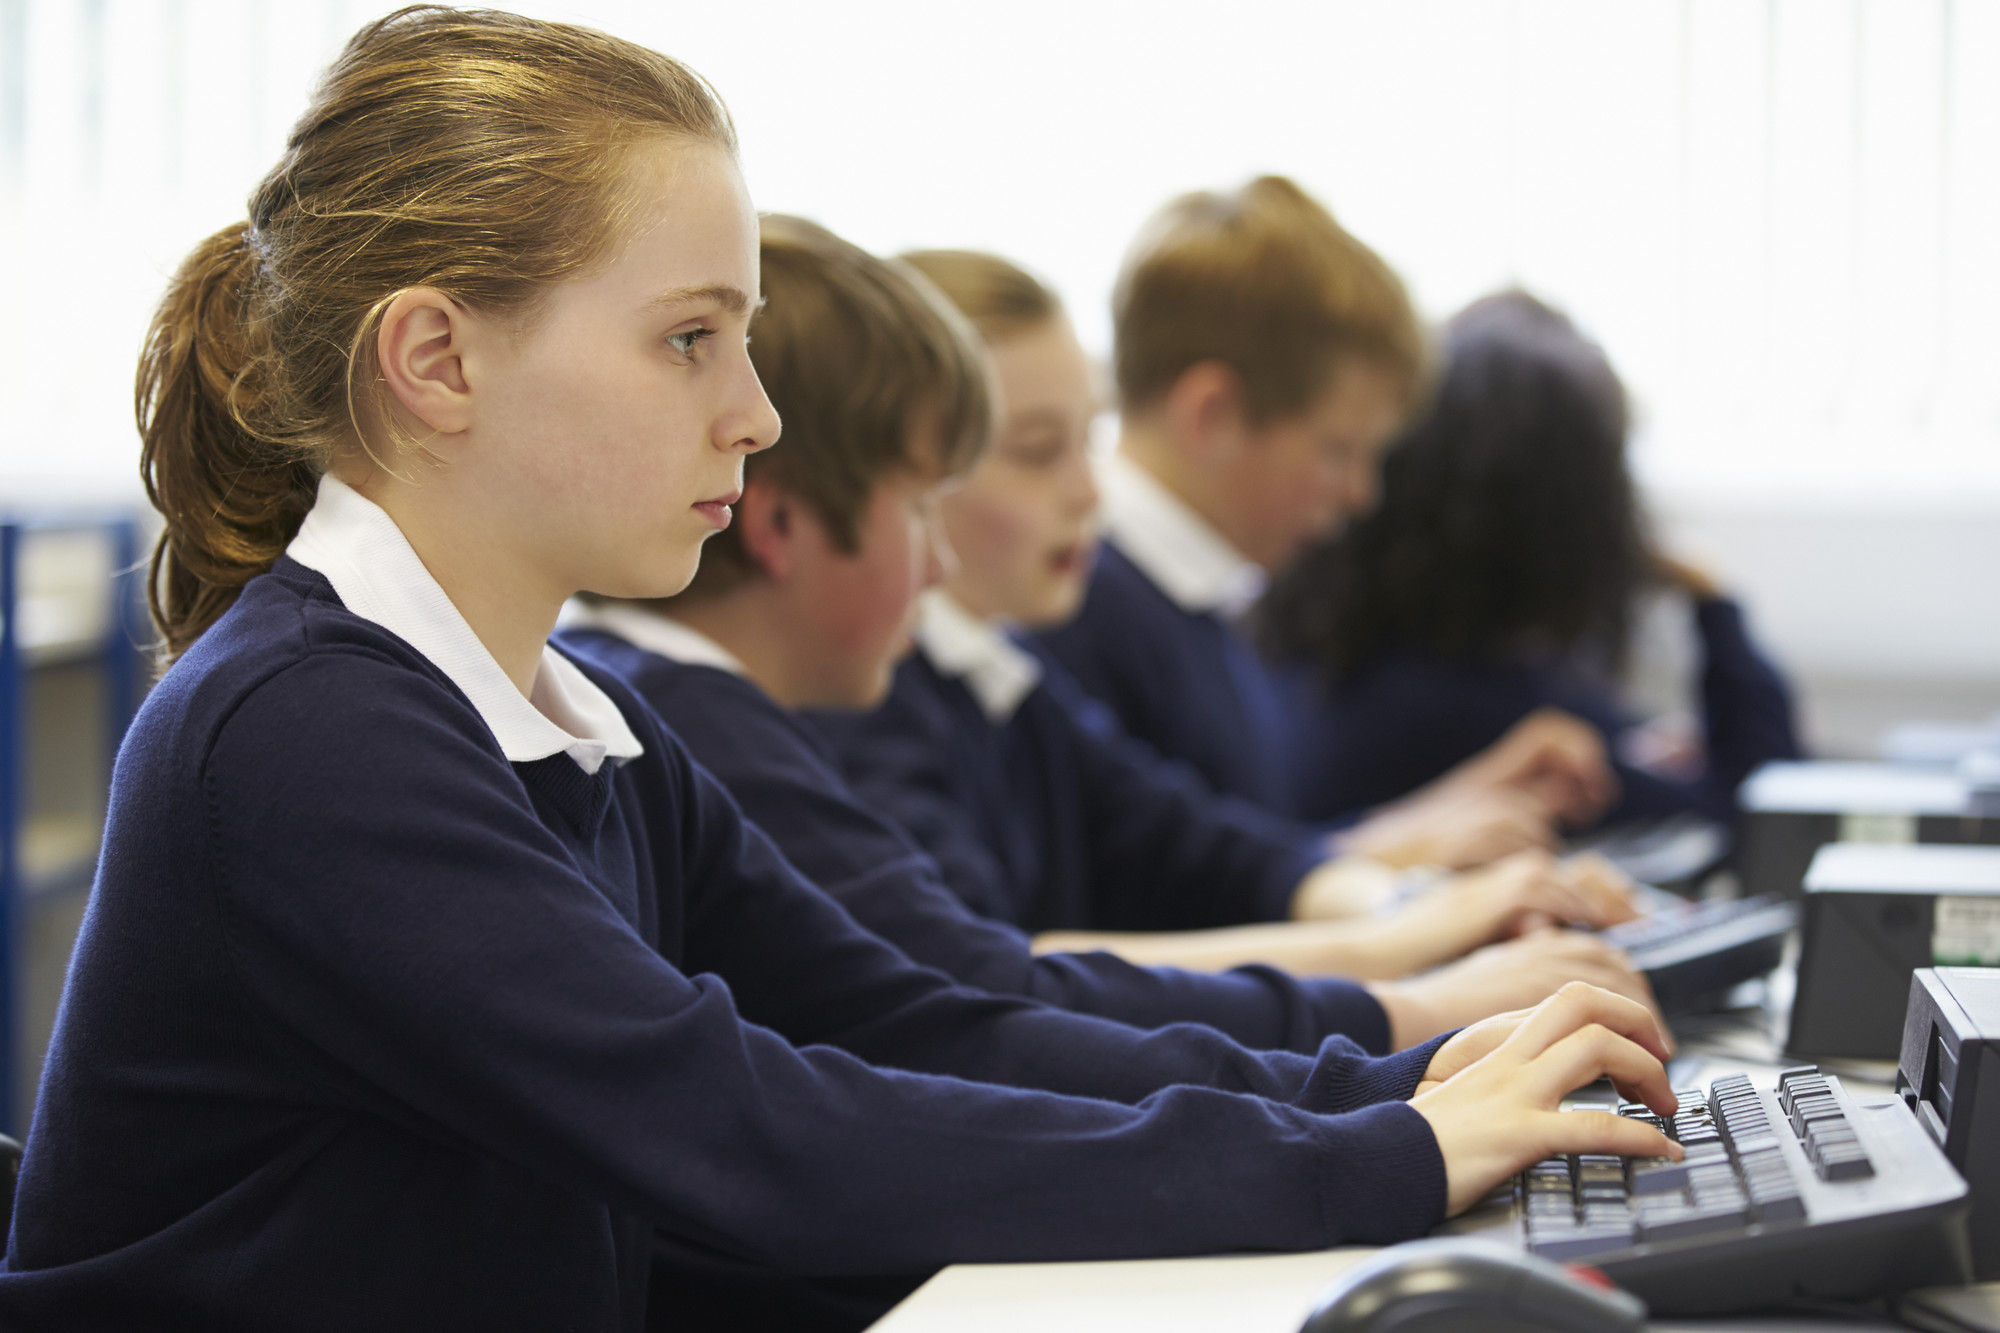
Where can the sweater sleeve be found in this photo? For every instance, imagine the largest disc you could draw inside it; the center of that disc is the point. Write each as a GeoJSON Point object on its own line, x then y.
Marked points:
{"type": "Point", "coordinates": [901, 899]}
{"type": "Point", "coordinates": [783, 775]}
{"type": "Point", "coordinates": [1747, 720]}
{"type": "Point", "coordinates": [800, 964]}
{"type": "Point", "coordinates": [1747, 710]}
{"type": "Point", "coordinates": [1168, 852]}
{"type": "Point", "coordinates": [396, 910]}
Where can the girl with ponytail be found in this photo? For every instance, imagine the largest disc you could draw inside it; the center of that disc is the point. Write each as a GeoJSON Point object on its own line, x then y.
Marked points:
{"type": "Point", "coordinates": [426, 982]}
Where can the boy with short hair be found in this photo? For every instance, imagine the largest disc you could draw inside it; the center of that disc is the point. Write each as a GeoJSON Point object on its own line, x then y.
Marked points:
{"type": "Point", "coordinates": [1264, 357]}
{"type": "Point", "coordinates": [807, 600]}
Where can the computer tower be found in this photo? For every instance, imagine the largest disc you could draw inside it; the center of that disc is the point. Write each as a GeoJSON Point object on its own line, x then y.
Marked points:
{"type": "Point", "coordinates": [1949, 1073]}
{"type": "Point", "coordinates": [1791, 810]}
{"type": "Point", "coordinates": [1874, 913]}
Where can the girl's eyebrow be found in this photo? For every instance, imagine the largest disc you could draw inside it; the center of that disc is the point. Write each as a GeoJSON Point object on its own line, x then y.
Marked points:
{"type": "Point", "coordinates": [733, 300]}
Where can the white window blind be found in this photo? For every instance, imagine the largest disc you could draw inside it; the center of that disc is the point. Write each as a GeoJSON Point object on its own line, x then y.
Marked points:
{"type": "Point", "coordinates": [1781, 216]}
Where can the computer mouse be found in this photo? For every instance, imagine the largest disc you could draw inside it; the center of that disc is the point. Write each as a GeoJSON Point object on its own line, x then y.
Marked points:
{"type": "Point", "coordinates": [1460, 1284]}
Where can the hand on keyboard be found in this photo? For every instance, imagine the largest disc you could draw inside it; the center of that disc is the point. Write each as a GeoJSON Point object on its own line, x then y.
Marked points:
{"type": "Point", "coordinates": [1518, 895]}
{"type": "Point", "coordinates": [1603, 895]}
{"type": "Point", "coordinates": [1452, 829]}
{"type": "Point", "coordinates": [1491, 1093]}
{"type": "Point", "coordinates": [1514, 974]}
{"type": "Point", "coordinates": [1550, 755]}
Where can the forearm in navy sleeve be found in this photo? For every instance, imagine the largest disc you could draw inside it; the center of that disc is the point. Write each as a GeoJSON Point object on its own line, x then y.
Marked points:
{"type": "Point", "coordinates": [403, 921]}
{"type": "Point", "coordinates": [1169, 853]}
{"type": "Point", "coordinates": [800, 964]}
{"type": "Point", "coordinates": [782, 776]}
{"type": "Point", "coordinates": [1260, 1007]}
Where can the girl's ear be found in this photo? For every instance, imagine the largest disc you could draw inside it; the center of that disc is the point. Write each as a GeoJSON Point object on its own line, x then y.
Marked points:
{"type": "Point", "coordinates": [768, 528]}
{"type": "Point", "coordinates": [420, 347]}
{"type": "Point", "coordinates": [1204, 409]}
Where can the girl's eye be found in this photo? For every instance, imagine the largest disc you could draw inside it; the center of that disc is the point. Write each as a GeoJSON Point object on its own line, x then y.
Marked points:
{"type": "Point", "coordinates": [1037, 455]}
{"type": "Point", "coordinates": [685, 343]}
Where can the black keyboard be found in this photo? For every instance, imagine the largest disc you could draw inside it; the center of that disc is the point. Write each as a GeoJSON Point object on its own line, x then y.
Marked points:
{"type": "Point", "coordinates": [1673, 851]}
{"type": "Point", "coordinates": [1695, 953]}
{"type": "Point", "coordinates": [1800, 1191]}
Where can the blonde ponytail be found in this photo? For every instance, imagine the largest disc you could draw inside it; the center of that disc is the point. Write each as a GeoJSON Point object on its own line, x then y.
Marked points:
{"type": "Point", "coordinates": [232, 493]}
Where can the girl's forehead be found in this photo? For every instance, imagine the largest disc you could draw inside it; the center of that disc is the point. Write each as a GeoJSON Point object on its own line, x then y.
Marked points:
{"type": "Point", "coordinates": [690, 221]}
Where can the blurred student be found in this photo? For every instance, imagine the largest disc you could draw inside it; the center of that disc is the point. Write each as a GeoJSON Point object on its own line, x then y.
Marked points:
{"type": "Point", "coordinates": [807, 601]}
{"type": "Point", "coordinates": [1043, 815]}
{"type": "Point", "coordinates": [1263, 358]}
{"type": "Point", "coordinates": [426, 981]}
{"type": "Point", "coordinates": [1498, 575]}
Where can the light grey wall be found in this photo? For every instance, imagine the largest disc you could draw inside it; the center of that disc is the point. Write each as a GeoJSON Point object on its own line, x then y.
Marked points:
{"type": "Point", "coordinates": [1883, 608]}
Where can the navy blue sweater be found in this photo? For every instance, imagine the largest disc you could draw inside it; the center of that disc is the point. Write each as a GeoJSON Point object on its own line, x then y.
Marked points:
{"type": "Point", "coordinates": [1408, 718]}
{"type": "Point", "coordinates": [787, 780]}
{"type": "Point", "coordinates": [1184, 682]}
{"type": "Point", "coordinates": [1056, 820]}
{"type": "Point", "coordinates": [369, 1028]}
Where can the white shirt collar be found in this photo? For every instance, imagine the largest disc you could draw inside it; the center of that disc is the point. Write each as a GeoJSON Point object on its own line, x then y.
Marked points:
{"type": "Point", "coordinates": [379, 577]}
{"type": "Point", "coordinates": [999, 672]}
{"type": "Point", "coordinates": [653, 632]}
{"type": "Point", "coordinates": [1175, 547]}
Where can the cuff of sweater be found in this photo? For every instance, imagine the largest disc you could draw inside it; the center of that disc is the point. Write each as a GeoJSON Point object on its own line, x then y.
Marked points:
{"type": "Point", "coordinates": [1273, 899]}
{"type": "Point", "coordinates": [1384, 1178]}
{"type": "Point", "coordinates": [1395, 1077]}
{"type": "Point", "coordinates": [1350, 1009]}
{"type": "Point", "coordinates": [1343, 1079]}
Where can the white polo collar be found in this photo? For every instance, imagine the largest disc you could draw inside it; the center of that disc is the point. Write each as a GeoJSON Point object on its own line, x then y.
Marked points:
{"type": "Point", "coordinates": [655, 633]}
{"type": "Point", "coordinates": [379, 577]}
{"type": "Point", "coordinates": [1175, 547]}
{"type": "Point", "coordinates": [999, 672]}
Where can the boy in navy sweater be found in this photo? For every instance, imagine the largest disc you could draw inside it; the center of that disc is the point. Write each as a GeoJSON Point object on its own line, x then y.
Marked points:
{"type": "Point", "coordinates": [777, 619]}
{"type": "Point", "coordinates": [1263, 358]}
{"type": "Point", "coordinates": [426, 980]}
{"type": "Point", "coordinates": [1039, 813]}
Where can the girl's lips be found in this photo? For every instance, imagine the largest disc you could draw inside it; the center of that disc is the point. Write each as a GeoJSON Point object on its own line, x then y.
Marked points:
{"type": "Point", "coordinates": [1070, 559]}
{"type": "Point", "coordinates": [717, 511]}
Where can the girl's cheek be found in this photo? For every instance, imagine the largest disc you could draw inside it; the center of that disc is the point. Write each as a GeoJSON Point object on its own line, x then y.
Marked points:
{"type": "Point", "coordinates": [1012, 525]}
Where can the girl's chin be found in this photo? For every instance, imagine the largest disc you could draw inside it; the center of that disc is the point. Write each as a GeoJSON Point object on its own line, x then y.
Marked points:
{"type": "Point", "coordinates": [665, 577]}
{"type": "Point", "coordinates": [1054, 604]}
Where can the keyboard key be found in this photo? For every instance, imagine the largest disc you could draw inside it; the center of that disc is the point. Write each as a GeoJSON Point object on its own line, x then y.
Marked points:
{"type": "Point", "coordinates": [1657, 1175]}
{"type": "Point", "coordinates": [1693, 1222]}
{"type": "Point", "coordinates": [1570, 1246]}
{"type": "Point", "coordinates": [1780, 1208]}
{"type": "Point", "coordinates": [1798, 1073]}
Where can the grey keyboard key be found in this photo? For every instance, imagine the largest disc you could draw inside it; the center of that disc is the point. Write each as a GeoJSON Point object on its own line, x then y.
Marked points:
{"type": "Point", "coordinates": [1567, 1246]}
{"type": "Point", "coordinates": [1694, 1222]}
{"type": "Point", "coordinates": [1657, 1175]}
{"type": "Point", "coordinates": [1779, 1208]}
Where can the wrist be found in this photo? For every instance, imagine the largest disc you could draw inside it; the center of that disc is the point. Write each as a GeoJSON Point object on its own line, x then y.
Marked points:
{"type": "Point", "coordinates": [1413, 1018]}
{"type": "Point", "coordinates": [1393, 838]}
{"type": "Point", "coordinates": [1348, 886]}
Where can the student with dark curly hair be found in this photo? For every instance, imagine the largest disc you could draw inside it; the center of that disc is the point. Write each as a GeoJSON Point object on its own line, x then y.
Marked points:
{"type": "Point", "coordinates": [1498, 575]}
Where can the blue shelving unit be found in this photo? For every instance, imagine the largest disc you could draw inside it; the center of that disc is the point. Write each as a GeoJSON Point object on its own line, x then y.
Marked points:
{"type": "Point", "coordinates": [114, 651]}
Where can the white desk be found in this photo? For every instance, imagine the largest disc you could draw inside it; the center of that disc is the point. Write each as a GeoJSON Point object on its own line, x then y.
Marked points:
{"type": "Point", "coordinates": [1274, 1293]}
{"type": "Point", "coordinates": [1230, 1294]}
{"type": "Point", "coordinates": [1247, 1293]}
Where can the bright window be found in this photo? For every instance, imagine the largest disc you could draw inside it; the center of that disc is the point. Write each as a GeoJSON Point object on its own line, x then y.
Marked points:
{"type": "Point", "coordinates": [1782, 218]}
